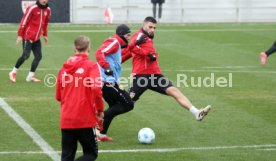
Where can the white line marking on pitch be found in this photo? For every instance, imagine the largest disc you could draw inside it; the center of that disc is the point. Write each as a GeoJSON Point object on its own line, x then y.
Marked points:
{"type": "Point", "coordinates": [45, 147]}
{"type": "Point", "coordinates": [161, 150]}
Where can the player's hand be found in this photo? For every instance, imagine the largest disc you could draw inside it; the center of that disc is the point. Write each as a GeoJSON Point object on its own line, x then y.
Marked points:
{"type": "Point", "coordinates": [108, 71]}
{"type": "Point", "coordinates": [19, 40]}
{"type": "Point", "coordinates": [100, 116]}
{"type": "Point", "coordinates": [152, 57]}
{"type": "Point", "coordinates": [45, 39]}
{"type": "Point", "coordinates": [141, 40]}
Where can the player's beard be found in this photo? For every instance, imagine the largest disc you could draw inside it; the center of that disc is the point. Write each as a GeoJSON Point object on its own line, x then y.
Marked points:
{"type": "Point", "coordinates": [146, 33]}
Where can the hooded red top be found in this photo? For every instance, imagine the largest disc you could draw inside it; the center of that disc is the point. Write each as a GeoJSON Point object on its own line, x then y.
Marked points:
{"type": "Point", "coordinates": [78, 89]}
{"type": "Point", "coordinates": [34, 23]}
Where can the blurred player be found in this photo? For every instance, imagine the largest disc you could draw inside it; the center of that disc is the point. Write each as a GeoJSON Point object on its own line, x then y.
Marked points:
{"type": "Point", "coordinates": [109, 56]}
{"type": "Point", "coordinates": [33, 24]}
{"type": "Point", "coordinates": [79, 92]}
{"type": "Point", "coordinates": [265, 55]}
{"type": "Point", "coordinates": [147, 74]}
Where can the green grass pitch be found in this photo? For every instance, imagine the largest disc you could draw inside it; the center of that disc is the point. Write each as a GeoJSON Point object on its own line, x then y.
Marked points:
{"type": "Point", "coordinates": [241, 126]}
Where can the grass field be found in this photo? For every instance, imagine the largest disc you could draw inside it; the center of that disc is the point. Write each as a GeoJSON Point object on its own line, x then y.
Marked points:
{"type": "Point", "coordinates": [241, 126]}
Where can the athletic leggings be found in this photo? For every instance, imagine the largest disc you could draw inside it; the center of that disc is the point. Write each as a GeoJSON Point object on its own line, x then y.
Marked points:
{"type": "Point", "coordinates": [119, 102]}
{"type": "Point", "coordinates": [28, 46]}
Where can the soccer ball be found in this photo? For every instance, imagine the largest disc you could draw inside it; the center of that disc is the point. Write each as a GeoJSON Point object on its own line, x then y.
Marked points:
{"type": "Point", "coordinates": [146, 136]}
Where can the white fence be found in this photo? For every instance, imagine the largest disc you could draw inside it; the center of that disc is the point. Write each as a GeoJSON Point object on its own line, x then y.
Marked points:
{"type": "Point", "coordinates": [175, 11]}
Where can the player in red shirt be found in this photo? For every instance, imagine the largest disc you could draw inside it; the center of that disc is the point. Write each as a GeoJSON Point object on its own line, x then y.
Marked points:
{"type": "Point", "coordinates": [146, 71]}
{"type": "Point", "coordinates": [33, 24]}
{"type": "Point", "coordinates": [109, 57]}
{"type": "Point", "coordinates": [79, 91]}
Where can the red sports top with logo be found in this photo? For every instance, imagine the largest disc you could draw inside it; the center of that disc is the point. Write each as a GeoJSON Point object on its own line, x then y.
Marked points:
{"type": "Point", "coordinates": [79, 91]}
{"type": "Point", "coordinates": [141, 63]}
{"type": "Point", "coordinates": [34, 23]}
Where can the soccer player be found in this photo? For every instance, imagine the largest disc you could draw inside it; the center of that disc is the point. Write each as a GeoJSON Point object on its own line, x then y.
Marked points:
{"type": "Point", "coordinates": [147, 74]}
{"type": "Point", "coordinates": [79, 91]}
{"type": "Point", "coordinates": [265, 55]}
{"type": "Point", "coordinates": [33, 24]}
{"type": "Point", "coordinates": [109, 56]}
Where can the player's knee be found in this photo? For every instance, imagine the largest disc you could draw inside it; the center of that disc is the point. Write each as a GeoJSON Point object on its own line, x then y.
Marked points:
{"type": "Point", "coordinates": [133, 96]}
{"type": "Point", "coordinates": [38, 57]}
{"type": "Point", "coordinates": [172, 91]}
{"type": "Point", "coordinates": [109, 115]}
{"type": "Point", "coordinates": [26, 56]}
{"type": "Point", "coordinates": [130, 106]}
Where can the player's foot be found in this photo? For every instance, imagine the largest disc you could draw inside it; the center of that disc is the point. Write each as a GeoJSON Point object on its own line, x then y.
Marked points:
{"type": "Point", "coordinates": [101, 137]}
{"type": "Point", "coordinates": [33, 79]}
{"type": "Point", "coordinates": [12, 76]}
{"type": "Point", "coordinates": [202, 113]}
{"type": "Point", "coordinates": [263, 58]}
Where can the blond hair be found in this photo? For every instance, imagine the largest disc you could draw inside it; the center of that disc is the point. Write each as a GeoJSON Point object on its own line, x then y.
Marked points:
{"type": "Point", "coordinates": [82, 43]}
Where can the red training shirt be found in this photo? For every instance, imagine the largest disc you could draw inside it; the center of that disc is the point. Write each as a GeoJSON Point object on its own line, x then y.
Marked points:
{"type": "Point", "coordinates": [34, 23]}
{"type": "Point", "coordinates": [78, 89]}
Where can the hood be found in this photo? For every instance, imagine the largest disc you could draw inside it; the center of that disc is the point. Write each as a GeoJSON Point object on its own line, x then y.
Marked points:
{"type": "Point", "coordinates": [123, 42]}
{"type": "Point", "coordinates": [73, 63]}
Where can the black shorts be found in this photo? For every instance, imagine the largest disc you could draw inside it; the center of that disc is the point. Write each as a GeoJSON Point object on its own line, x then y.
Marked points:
{"type": "Point", "coordinates": [113, 95]}
{"type": "Point", "coordinates": [142, 82]}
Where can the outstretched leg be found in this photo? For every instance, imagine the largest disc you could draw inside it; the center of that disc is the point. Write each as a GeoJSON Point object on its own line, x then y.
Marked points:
{"type": "Point", "coordinates": [179, 97]}
{"type": "Point", "coordinates": [186, 103]}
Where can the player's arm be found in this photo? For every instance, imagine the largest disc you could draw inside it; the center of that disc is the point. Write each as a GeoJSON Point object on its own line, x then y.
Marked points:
{"type": "Point", "coordinates": [24, 23]}
{"type": "Point", "coordinates": [126, 54]}
{"type": "Point", "coordinates": [110, 46]}
{"type": "Point", "coordinates": [58, 87]}
{"type": "Point", "coordinates": [135, 45]}
{"type": "Point", "coordinates": [97, 87]}
{"type": "Point", "coordinates": [45, 28]}
{"type": "Point", "coordinates": [99, 101]}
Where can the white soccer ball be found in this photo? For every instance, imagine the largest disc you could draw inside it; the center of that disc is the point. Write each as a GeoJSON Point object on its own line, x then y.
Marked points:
{"type": "Point", "coordinates": [146, 136]}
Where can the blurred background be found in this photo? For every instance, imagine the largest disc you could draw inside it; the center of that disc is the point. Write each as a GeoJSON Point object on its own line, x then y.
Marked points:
{"type": "Point", "coordinates": [134, 11]}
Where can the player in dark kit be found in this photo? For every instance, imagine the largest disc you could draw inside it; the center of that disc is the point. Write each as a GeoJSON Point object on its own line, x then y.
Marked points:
{"type": "Point", "coordinates": [109, 56]}
{"type": "Point", "coordinates": [265, 55]}
{"type": "Point", "coordinates": [147, 74]}
{"type": "Point", "coordinates": [34, 23]}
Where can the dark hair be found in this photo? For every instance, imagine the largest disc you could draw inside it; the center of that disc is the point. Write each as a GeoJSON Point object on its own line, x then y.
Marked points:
{"type": "Point", "coordinates": [150, 19]}
{"type": "Point", "coordinates": [82, 43]}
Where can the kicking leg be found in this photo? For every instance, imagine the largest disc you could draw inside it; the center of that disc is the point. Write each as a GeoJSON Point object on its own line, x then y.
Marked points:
{"type": "Point", "coordinates": [186, 103]}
